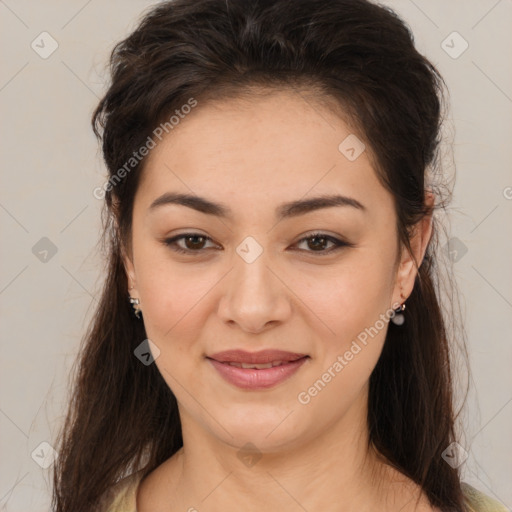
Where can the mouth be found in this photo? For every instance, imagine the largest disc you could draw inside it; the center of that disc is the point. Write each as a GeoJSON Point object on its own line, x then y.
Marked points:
{"type": "Point", "coordinates": [261, 366]}
{"type": "Point", "coordinates": [263, 357]}
{"type": "Point", "coordinates": [256, 370]}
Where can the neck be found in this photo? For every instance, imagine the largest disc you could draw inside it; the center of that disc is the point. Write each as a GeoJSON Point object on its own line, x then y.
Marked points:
{"type": "Point", "coordinates": [334, 471]}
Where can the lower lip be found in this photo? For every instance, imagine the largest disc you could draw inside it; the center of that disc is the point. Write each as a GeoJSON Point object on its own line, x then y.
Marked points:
{"type": "Point", "coordinates": [252, 378]}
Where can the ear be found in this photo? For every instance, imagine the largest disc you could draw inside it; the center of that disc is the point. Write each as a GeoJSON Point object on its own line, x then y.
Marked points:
{"type": "Point", "coordinates": [130, 273]}
{"type": "Point", "coordinates": [406, 273]}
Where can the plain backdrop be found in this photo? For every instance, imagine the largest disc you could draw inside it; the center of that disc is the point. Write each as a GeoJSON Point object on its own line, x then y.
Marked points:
{"type": "Point", "coordinates": [50, 220]}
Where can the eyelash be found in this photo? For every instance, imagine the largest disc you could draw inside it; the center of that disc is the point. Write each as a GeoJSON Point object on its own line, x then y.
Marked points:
{"type": "Point", "coordinates": [338, 244]}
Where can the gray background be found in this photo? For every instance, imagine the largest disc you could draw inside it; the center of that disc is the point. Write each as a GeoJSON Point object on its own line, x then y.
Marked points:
{"type": "Point", "coordinates": [51, 164]}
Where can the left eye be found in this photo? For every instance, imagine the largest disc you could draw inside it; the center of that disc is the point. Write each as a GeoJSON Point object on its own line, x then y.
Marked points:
{"type": "Point", "coordinates": [318, 241]}
{"type": "Point", "coordinates": [194, 243]}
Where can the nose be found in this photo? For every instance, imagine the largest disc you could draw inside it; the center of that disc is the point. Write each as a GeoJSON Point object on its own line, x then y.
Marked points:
{"type": "Point", "coordinates": [255, 297]}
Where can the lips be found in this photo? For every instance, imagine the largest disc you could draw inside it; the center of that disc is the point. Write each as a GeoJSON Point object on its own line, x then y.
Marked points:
{"type": "Point", "coordinates": [261, 357]}
{"type": "Point", "coordinates": [256, 370]}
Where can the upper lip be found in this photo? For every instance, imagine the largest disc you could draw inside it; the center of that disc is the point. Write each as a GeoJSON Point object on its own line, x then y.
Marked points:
{"type": "Point", "coordinates": [261, 357]}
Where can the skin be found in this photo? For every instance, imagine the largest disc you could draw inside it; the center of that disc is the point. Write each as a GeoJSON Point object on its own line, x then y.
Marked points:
{"type": "Point", "coordinates": [252, 155]}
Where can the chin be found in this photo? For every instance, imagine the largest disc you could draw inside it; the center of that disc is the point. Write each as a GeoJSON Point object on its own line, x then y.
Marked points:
{"type": "Point", "coordinates": [268, 430]}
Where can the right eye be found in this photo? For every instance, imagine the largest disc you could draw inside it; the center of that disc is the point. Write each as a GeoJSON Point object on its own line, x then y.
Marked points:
{"type": "Point", "coordinates": [194, 243]}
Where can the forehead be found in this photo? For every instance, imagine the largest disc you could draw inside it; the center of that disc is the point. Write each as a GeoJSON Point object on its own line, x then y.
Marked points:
{"type": "Point", "coordinates": [259, 151]}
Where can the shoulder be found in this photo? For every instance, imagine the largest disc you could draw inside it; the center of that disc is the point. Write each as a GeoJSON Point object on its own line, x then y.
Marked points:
{"type": "Point", "coordinates": [480, 502]}
{"type": "Point", "coordinates": [123, 495]}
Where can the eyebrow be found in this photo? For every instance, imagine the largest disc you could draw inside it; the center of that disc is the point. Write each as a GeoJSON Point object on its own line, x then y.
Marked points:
{"type": "Point", "coordinates": [283, 211]}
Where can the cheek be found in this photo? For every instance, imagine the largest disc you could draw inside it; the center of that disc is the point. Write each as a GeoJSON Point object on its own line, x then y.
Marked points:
{"type": "Point", "coordinates": [355, 307]}
{"type": "Point", "coordinates": [351, 297]}
{"type": "Point", "coordinates": [173, 296]}
{"type": "Point", "coordinates": [168, 303]}
{"type": "Point", "coordinates": [163, 296]}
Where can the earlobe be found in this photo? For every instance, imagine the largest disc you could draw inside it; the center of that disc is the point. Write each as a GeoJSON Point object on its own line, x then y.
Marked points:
{"type": "Point", "coordinates": [405, 275]}
{"type": "Point", "coordinates": [133, 294]}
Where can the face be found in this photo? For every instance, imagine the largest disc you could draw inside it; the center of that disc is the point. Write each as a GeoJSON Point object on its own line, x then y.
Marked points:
{"type": "Point", "coordinates": [260, 273]}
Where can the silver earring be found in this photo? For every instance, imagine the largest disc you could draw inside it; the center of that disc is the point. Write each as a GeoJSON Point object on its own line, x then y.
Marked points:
{"type": "Point", "coordinates": [136, 306]}
{"type": "Point", "coordinates": [398, 318]}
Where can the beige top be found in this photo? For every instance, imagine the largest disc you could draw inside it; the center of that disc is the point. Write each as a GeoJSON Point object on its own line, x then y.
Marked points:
{"type": "Point", "coordinates": [122, 497]}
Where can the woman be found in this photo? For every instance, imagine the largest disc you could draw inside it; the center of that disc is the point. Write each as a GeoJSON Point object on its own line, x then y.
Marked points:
{"type": "Point", "coordinates": [270, 335]}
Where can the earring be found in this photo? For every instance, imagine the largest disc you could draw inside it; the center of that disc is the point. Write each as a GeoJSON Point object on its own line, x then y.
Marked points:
{"type": "Point", "coordinates": [398, 318]}
{"type": "Point", "coordinates": [136, 306]}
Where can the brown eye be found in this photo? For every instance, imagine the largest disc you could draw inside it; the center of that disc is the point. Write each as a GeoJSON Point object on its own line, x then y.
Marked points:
{"type": "Point", "coordinates": [193, 243]}
{"type": "Point", "coordinates": [317, 242]}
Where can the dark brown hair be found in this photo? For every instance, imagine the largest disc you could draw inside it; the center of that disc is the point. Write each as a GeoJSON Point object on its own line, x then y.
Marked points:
{"type": "Point", "coordinates": [122, 415]}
